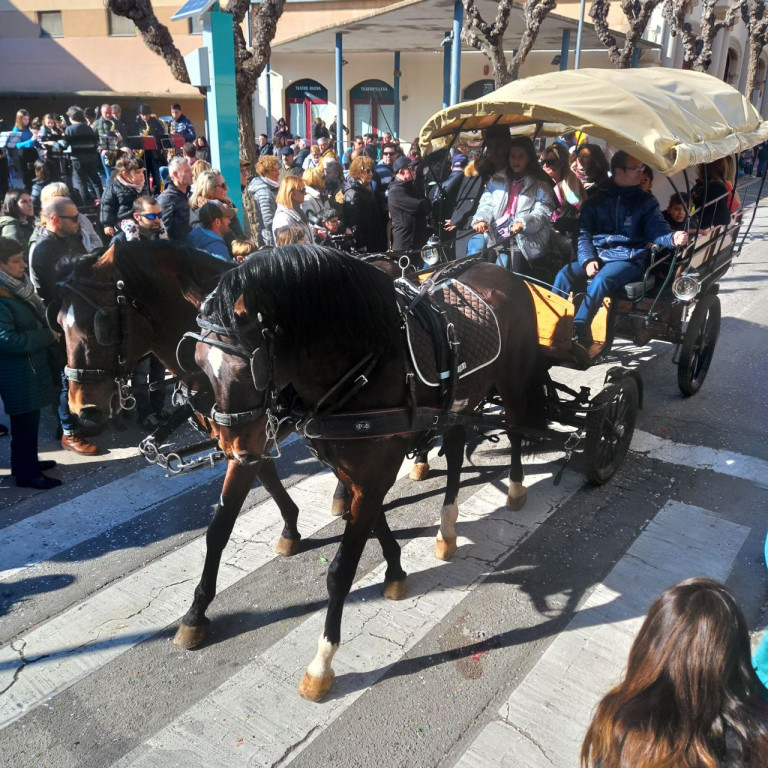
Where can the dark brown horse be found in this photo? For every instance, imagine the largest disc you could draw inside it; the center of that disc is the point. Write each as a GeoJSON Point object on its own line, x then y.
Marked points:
{"type": "Point", "coordinates": [309, 322]}
{"type": "Point", "coordinates": [143, 297]}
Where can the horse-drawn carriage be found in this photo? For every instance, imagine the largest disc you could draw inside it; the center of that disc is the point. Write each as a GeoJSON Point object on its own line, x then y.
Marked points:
{"type": "Point", "coordinates": [315, 341]}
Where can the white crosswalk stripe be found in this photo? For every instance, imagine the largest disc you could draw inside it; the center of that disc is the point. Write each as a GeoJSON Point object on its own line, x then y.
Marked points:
{"type": "Point", "coordinates": [255, 716]}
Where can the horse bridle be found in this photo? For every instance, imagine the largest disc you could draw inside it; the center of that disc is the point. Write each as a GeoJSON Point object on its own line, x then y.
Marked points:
{"type": "Point", "coordinates": [120, 373]}
{"type": "Point", "coordinates": [259, 362]}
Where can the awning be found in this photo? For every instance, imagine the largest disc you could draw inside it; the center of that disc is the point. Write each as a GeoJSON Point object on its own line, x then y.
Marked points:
{"type": "Point", "coordinates": [669, 119]}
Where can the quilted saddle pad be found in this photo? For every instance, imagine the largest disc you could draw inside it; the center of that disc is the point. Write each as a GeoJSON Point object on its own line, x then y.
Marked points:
{"type": "Point", "coordinates": [476, 329]}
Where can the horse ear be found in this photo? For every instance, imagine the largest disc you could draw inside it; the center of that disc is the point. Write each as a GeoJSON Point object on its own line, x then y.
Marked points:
{"type": "Point", "coordinates": [241, 313]}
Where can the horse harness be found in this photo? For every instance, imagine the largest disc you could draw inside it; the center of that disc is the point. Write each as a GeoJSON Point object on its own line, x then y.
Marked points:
{"type": "Point", "coordinates": [109, 327]}
{"type": "Point", "coordinates": [326, 421]}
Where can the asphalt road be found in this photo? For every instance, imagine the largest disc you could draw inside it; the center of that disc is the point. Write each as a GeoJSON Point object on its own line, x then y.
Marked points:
{"type": "Point", "coordinates": [95, 575]}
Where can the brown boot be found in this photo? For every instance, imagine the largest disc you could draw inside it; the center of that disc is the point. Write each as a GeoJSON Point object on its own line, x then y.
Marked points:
{"type": "Point", "coordinates": [78, 445]}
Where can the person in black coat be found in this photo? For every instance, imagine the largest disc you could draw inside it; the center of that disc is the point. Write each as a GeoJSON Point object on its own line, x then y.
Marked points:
{"type": "Point", "coordinates": [82, 143]}
{"type": "Point", "coordinates": [361, 211]}
{"type": "Point", "coordinates": [174, 202]}
{"type": "Point", "coordinates": [126, 185]}
{"type": "Point", "coordinates": [476, 175]}
{"type": "Point", "coordinates": [149, 125]}
{"type": "Point", "coordinates": [407, 208]}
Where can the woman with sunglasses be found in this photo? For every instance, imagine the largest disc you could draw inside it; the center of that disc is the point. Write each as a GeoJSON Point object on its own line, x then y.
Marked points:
{"type": "Point", "coordinates": [569, 195]}
{"type": "Point", "coordinates": [515, 210]}
{"type": "Point", "coordinates": [290, 197]}
{"type": "Point", "coordinates": [127, 183]}
{"type": "Point", "coordinates": [210, 186]}
{"type": "Point", "coordinates": [361, 211]}
{"type": "Point", "coordinates": [591, 166]}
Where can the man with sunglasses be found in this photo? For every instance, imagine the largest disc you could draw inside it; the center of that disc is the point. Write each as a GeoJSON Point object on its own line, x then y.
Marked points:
{"type": "Point", "coordinates": [147, 222]}
{"type": "Point", "coordinates": [60, 238]}
{"type": "Point", "coordinates": [615, 227]}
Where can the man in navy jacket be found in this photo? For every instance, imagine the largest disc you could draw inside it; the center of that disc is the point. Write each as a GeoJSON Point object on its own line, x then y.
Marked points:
{"type": "Point", "coordinates": [615, 227]}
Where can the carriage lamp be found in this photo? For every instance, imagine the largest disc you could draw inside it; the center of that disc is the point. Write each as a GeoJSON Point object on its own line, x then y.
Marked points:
{"type": "Point", "coordinates": [687, 286]}
{"type": "Point", "coordinates": [431, 251]}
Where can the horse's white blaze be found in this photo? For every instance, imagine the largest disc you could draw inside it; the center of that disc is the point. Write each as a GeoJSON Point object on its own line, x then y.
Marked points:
{"type": "Point", "coordinates": [448, 516]}
{"type": "Point", "coordinates": [215, 358]}
{"type": "Point", "coordinates": [321, 664]}
{"type": "Point", "coordinates": [69, 320]}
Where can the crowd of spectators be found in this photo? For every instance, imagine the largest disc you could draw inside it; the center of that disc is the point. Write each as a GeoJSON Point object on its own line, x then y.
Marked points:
{"type": "Point", "coordinates": [79, 183]}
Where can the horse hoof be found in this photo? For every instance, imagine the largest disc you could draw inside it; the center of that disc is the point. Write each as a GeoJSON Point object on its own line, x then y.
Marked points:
{"type": "Point", "coordinates": [338, 507]}
{"type": "Point", "coordinates": [420, 471]}
{"type": "Point", "coordinates": [188, 637]}
{"type": "Point", "coordinates": [287, 547]}
{"type": "Point", "coordinates": [445, 547]}
{"type": "Point", "coordinates": [516, 503]}
{"type": "Point", "coordinates": [394, 590]}
{"type": "Point", "coordinates": [315, 688]}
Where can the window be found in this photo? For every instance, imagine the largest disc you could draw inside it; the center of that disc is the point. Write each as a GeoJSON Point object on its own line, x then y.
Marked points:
{"type": "Point", "coordinates": [119, 26]}
{"type": "Point", "coordinates": [50, 24]}
{"type": "Point", "coordinates": [196, 25]}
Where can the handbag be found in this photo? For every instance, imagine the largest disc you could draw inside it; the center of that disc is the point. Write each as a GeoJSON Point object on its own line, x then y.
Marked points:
{"type": "Point", "coordinates": [566, 219]}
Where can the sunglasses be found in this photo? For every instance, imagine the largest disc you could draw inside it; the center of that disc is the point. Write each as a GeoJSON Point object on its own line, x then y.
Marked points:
{"type": "Point", "coordinates": [387, 154]}
{"type": "Point", "coordinates": [150, 216]}
{"type": "Point", "coordinates": [550, 162]}
{"type": "Point", "coordinates": [76, 217]}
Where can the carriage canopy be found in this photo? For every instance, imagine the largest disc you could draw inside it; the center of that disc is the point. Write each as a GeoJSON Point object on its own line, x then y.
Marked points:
{"type": "Point", "coordinates": [669, 119]}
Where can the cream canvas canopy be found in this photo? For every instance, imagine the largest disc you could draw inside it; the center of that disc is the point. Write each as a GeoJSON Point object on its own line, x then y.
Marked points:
{"type": "Point", "coordinates": [669, 119]}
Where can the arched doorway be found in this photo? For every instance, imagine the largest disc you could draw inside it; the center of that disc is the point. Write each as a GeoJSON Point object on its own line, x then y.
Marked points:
{"type": "Point", "coordinates": [477, 89]}
{"type": "Point", "coordinates": [305, 100]}
{"type": "Point", "coordinates": [372, 107]}
{"type": "Point", "coordinates": [731, 73]}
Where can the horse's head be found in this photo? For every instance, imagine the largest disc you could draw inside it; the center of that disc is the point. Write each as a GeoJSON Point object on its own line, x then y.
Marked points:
{"type": "Point", "coordinates": [239, 363]}
{"type": "Point", "coordinates": [105, 336]}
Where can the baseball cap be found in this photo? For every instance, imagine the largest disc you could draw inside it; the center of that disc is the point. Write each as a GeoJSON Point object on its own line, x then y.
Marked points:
{"type": "Point", "coordinates": [286, 151]}
{"type": "Point", "coordinates": [458, 161]}
{"type": "Point", "coordinates": [403, 162]}
{"type": "Point", "coordinates": [215, 209]}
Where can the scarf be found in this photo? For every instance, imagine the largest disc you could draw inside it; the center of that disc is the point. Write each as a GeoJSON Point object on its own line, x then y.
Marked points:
{"type": "Point", "coordinates": [138, 187]}
{"type": "Point", "coordinates": [24, 290]}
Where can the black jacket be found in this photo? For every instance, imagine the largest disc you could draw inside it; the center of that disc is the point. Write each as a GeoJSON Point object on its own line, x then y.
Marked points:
{"type": "Point", "coordinates": [174, 205]}
{"type": "Point", "coordinates": [361, 212]}
{"type": "Point", "coordinates": [116, 203]}
{"type": "Point", "coordinates": [48, 249]}
{"type": "Point", "coordinates": [82, 141]}
{"type": "Point", "coordinates": [409, 215]}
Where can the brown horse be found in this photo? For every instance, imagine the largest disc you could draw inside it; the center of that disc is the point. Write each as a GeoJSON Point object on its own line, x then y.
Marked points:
{"type": "Point", "coordinates": [143, 297]}
{"type": "Point", "coordinates": [322, 330]}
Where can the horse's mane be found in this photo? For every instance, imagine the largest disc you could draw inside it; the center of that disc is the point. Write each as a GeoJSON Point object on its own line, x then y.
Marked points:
{"type": "Point", "coordinates": [140, 263]}
{"type": "Point", "coordinates": [315, 295]}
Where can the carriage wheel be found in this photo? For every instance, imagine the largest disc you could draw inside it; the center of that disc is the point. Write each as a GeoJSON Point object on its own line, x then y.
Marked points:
{"type": "Point", "coordinates": [610, 429]}
{"type": "Point", "coordinates": [699, 345]}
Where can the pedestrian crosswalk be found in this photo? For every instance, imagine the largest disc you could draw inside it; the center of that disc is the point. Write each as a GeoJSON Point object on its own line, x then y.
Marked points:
{"type": "Point", "coordinates": [252, 716]}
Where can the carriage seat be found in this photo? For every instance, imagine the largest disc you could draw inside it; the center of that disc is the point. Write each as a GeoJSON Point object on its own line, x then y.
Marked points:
{"type": "Point", "coordinates": [636, 290]}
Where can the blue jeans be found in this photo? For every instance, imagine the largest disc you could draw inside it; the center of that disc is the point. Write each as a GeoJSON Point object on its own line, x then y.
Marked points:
{"type": "Point", "coordinates": [612, 276]}
{"type": "Point", "coordinates": [68, 419]}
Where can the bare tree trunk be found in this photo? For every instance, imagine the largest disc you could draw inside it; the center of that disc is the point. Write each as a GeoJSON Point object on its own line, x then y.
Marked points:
{"type": "Point", "coordinates": [489, 38]}
{"type": "Point", "coordinates": [249, 63]}
{"type": "Point", "coordinates": [753, 12]}
{"type": "Point", "coordinates": [637, 12]}
{"type": "Point", "coordinates": [676, 13]}
{"type": "Point", "coordinates": [154, 34]}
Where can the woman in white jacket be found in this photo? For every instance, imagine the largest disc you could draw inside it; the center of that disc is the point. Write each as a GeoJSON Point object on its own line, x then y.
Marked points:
{"type": "Point", "coordinates": [288, 213]}
{"type": "Point", "coordinates": [517, 205]}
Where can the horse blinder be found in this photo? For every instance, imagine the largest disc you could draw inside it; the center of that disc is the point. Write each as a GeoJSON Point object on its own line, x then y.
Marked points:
{"type": "Point", "coordinates": [105, 323]}
{"type": "Point", "coordinates": [260, 368]}
{"type": "Point", "coordinates": [185, 353]}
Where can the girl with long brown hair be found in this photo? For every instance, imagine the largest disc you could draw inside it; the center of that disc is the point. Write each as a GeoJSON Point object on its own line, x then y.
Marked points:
{"type": "Point", "coordinates": [690, 697]}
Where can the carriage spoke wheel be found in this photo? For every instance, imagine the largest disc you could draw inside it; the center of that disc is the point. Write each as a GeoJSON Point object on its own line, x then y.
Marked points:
{"type": "Point", "coordinates": [698, 345]}
{"type": "Point", "coordinates": [609, 429]}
